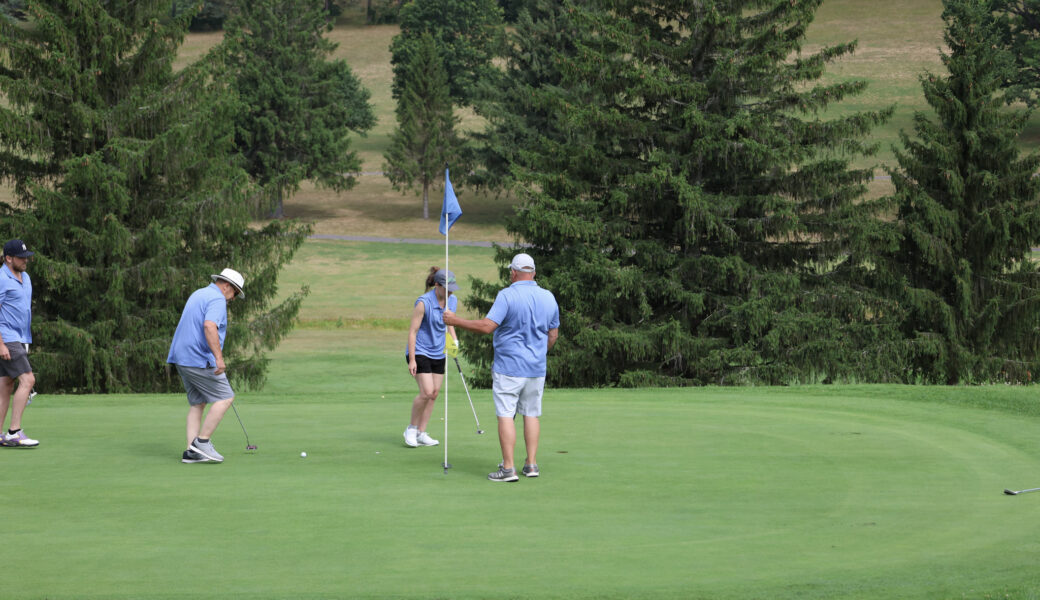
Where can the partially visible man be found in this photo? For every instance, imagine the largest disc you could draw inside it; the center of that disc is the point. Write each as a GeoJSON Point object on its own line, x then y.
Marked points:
{"type": "Point", "coordinates": [198, 352]}
{"type": "Point", "coordinates": [15, 337]}
{"type": "Point", "coordinates": [525, 320]}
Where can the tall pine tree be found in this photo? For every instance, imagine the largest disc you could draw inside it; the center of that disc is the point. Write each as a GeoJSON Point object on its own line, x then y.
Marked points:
{"type": "Point", "coordinates": [467, 33]}
{"type": "Point", "coordinates": [1019, 22]}
{"type": "Point", "coordinates": [127, 191]}
{"type": "Point", "coordinates": [544, 37]}
{"type": "Point", "coordinates": [300, 107]}
{"type": "Point", "coordinates": [683, 200]}
{"type": "Point", "coordinates": [425, 138]}
{"type": "Point", "coordinates": [967, 216]}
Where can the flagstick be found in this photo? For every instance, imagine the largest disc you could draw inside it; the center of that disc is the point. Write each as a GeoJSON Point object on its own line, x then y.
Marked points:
{"type": "Point", "coordinates": [446, 232]}
{"type": "Point", "coordinates": [453, 210]}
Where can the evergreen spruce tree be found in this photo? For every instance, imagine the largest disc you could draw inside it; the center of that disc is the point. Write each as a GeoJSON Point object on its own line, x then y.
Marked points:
{"type": "Point", "coordinates": [127, 191]}
{"type": "Point", "coordinates": [467, 32]}
{"type": "Point", "coordinates": [967, 216]}
{"type": "Point", "coordinates": [543, 39]}
{"type": "Point", "coordinates": [300, 106]}
{"type": "Point", "coordinates": [425, 138]}
{"type": "Point", "coordinates": [695, 218]}
{"type": "Point", "coordinates": [1019, 22]}
{"type": "Point", "coordinates": [206, 15]}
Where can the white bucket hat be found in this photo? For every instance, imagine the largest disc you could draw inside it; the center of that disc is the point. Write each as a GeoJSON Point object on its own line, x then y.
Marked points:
{"type": "Point", "coordinates": [234, 278]}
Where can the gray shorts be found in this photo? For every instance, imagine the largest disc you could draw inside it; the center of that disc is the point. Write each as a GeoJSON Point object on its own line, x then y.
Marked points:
{"type": "Point", "coordinates": [517, 394]}
{"type": "Point", "coordinates": [203, 387]}
{"type": "Point", "coordinates": [19, 362]}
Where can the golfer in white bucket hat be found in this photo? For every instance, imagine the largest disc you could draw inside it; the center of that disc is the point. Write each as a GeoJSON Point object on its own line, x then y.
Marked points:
{"type": "Point", "coordinates": [198, 352]}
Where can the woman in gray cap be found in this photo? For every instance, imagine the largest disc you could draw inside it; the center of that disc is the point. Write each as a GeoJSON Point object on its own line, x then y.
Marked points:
{"type": "Point", "coordinates": [425, 353]}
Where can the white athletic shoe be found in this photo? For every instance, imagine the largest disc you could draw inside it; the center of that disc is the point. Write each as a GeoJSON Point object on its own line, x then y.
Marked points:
{"type": "Point", "coordinates": [410, 437]}
{"type": "Point", "coordinates": [425, 439]}
{"type": "Point", "coordinates": [17, 440]}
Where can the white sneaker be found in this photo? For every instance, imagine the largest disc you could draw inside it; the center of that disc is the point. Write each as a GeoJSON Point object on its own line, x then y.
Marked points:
{"type": "Point", "coordinates": [410, 437]}
{"type": "Point", "coordinates": [425, 439]}
{"type": "Point", "coordinates": [17, 440]}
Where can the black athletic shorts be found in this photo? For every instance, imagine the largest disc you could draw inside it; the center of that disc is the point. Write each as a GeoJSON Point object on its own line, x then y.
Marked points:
{"type": "Point", "coordinates": [424, 364]}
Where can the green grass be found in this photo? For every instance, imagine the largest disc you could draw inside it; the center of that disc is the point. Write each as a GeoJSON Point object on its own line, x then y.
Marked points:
{"type": "Point", "coordinates": [812, 492]}
{"type": "Point", "coordinates": [714, 493]}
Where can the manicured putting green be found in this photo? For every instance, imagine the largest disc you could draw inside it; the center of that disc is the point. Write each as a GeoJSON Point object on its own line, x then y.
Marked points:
{"type": "Point", "coordinates": [703, 493]}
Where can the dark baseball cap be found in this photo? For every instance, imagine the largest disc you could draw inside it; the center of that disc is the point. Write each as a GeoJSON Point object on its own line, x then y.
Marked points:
{"type": "Point", "coordinates": [16, 248]}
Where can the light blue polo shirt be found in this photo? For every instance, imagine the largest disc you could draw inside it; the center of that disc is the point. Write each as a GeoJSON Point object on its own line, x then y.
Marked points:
{"type": "Point", "coordinates": [15, 307]}
{"type": "Point", "coordinates": [525, 313]}
{"type": "Point", "coordinates": [189, 347]}
{"type": "Point", "coordinates": [429, 340]}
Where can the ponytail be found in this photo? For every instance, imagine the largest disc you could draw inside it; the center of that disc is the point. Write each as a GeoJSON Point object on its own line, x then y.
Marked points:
{"type": "Point", "coordinates": [429, 278]}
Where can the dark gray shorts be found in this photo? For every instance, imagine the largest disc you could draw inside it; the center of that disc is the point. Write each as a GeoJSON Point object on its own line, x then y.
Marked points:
{"type": "Point", "coordinates": [203, 387]}
{"type": "Point", "coordinates": [19, 362]}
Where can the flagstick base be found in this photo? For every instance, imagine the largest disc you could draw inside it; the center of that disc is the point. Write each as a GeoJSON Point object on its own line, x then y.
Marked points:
{"type": "Point", "coordinates": [446, 467]}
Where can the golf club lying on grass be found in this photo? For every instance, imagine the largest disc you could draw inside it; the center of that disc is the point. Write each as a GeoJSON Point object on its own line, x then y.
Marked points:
{"type": "Point", "coordinates": [466, 387]}
{"type": "Point", "coordinates": [1014, 493]}
{"type": "Point", "coordinates": [248, 445]}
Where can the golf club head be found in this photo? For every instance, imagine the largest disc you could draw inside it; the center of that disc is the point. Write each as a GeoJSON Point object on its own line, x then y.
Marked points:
{"type": "Point", "coordinates": [250, 447]}
{"type": "Point", "coordinates": [1010, 493]}
{"type": "Point", "coordinates": [480, 431]}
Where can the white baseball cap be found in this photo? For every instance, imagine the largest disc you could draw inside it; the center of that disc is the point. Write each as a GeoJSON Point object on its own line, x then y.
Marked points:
{"type": "Point", "coordinates": [522, 262]}
{"type": "Point", "coordinates": [234, 278]}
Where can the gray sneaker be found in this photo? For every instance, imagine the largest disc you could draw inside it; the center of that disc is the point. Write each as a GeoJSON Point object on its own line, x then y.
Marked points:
{"type": "Point", "coordinates": [503, 474]}
{"type": "Point", "coordinates": [530, 470]}
{"type": "Point", "coordinates": [206, 449]}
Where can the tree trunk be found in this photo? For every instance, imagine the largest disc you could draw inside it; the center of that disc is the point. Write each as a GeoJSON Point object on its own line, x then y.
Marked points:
{"type": "Point", "coordinates": [426, 200]}
{"type": "Point", "coordinates": [278, 211]}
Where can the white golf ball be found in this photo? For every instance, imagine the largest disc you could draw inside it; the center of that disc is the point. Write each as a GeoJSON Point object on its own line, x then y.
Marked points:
{"type": "Point", "coordinates": [303, 455]}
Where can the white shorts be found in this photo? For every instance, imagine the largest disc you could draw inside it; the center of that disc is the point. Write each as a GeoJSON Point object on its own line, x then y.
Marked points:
{"type": "Point", "coordinates": [517, 394]}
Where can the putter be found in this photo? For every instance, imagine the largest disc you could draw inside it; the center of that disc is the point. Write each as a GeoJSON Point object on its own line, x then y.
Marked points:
{"type": "Point", "coordinates": [248, 445]}
{"type": "Point", "coordinates": [1014, 493]}
{"type": "Point", "coordinates": [466, 387]}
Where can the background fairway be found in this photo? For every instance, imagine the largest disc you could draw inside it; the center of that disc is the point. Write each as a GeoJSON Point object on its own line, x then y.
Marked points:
{"type": "Point", "coordinates": [371, 284]}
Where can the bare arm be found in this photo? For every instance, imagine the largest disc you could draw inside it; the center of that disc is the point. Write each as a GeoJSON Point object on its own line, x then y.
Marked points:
{"type": "Point", "coordinates": [418, 312]}
{"type": "Point", "coordinates": [5, 354]}
{"type": "Point", "coordinates": [554, 334]}
{"type": "Point", "coordinates": [484, 325]}
{"type": "Point", "coordinates": [213, 341]}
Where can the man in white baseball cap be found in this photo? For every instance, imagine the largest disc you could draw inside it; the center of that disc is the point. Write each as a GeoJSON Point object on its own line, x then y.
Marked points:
{"type": "Point", "coordinates": [198, 352]}
{"type": "Point", "coordinates": [525, 320]}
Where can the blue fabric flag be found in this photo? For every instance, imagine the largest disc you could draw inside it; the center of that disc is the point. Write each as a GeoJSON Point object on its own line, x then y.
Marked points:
{"type": "Point", "coordinates": [450, 210]}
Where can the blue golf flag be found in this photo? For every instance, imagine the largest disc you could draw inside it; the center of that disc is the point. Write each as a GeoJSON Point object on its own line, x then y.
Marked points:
{"type": "Point", "coordinates": [450, 210]}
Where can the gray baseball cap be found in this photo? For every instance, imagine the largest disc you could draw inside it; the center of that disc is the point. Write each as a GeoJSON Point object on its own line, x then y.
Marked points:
{"type": "Point", "coordinates": [447, 279]}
